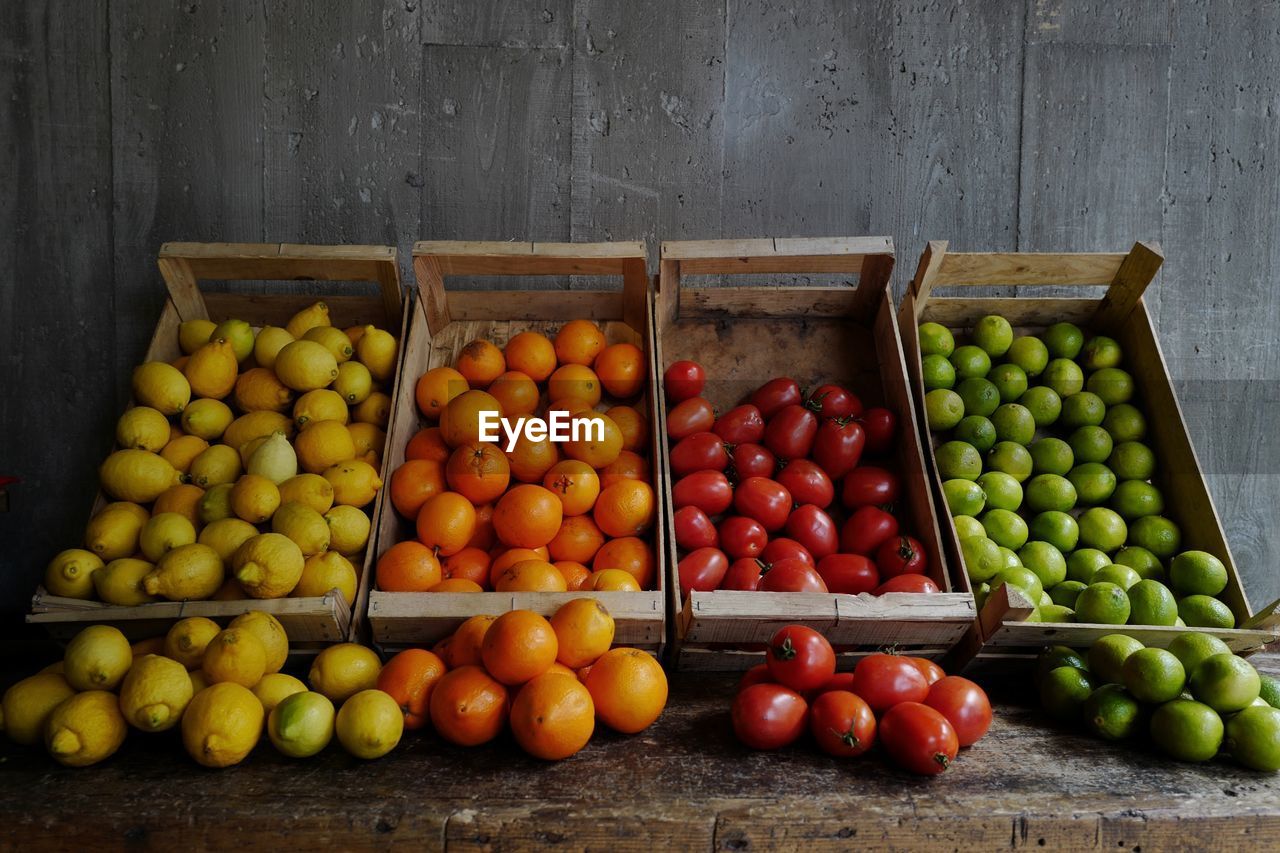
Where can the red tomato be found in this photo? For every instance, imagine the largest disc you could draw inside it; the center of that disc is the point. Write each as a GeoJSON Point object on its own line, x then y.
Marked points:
{"type": "Point", "coordinates": [776, 394]}
{"type": "Point", "coordinates": [833, 401]}
{"type": "Point", "coordinates": [964, 704]}
{"type": "Point", "coordinates": [767, 501]}
{"type": "Point", "coordinates": [918, 738]}
{"type": "Point", "coordinates": [753, 460]}
{"type": "Point", "coordinates": [930, 670]}
{"type": "Point", "coordinates": [902, 555]}
{"type": "Point", "coordinates": [740, 424]}
{"type": "Point", "coordinates": [758, 674]}
{"type": "Point", "coordinates": [742, 537]}
{"type": "Point", "coordinates": [800, 658]}
{"type": "Point", "coordinates": [842, 723]}
{"type": "Point", "coordinates": [885, 680]}
{"type": "Point", "coordinates": [790, 432]}
{"type": "Point", "coordinates": [807, 483]}
{"type": "Point", "coordinates": [744, 574]}
{"type": "Point", "coordinates": [709, 491]}
{"type": "Point", "coordinates": [769, 716]}
{"type": "Point", "coordinates": [839, 681]}
{"type": "Point", "coordinates": [702, 451]}
{"type": "Point", "coordinates": [907, 583]}
{"type": "Point", "coordinates": [689, 416]}
{"type": "Point", "coordinates": [702, 570]}
{"type": "Point", "coordinates": [869, 486]}
{"type": "Point", "coordinates": [791, 576]}
{"type": "Point", "coordinates": [837, 446]}
{"type": "Point", "coordinates": [848, 573]}
{"type": "Point", "coordinates": [882, 429]}
{"type": "Point", "coordinates": [866, 530]}
{"type": "Point", "coordinates": [684, 379]}
{"type": "Point", "coordinates": [783, 548]}
{"type": "Point", "coordinates": [815, 530]}
{"type": "Point", "coordinates": [694, 529]}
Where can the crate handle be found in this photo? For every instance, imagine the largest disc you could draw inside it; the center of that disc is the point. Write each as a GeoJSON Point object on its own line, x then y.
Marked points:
{"type": "Point", "coordinates": [183, 265]}
{"type": "Point", "coordinates": [436, 260]}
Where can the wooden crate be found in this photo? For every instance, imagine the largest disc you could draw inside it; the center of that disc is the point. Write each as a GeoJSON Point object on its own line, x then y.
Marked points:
{"type": "Point", "coordinates": [444, 322]}
{"type": "Point", "coordinates": [744, 336]}
{"type": "Point", "coordinates": [310, 622]}
{"type": "Point", "coordinates": [1001, 636]}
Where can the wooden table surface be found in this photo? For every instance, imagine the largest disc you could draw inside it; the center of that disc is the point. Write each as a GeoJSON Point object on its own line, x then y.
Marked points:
{"type": "Point", "coordinates": [684, 784]}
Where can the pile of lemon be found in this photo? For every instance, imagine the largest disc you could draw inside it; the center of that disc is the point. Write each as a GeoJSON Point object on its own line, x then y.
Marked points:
{"type": "Point", "coordinates": [242, 468]}
{"type": "Point", "coordinates": [222, 687]}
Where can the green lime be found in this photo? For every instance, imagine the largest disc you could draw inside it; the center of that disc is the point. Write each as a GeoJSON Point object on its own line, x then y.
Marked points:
{"type": "Point", "coordinates": [937, 372]}
{"type": "Point", "coordinates": [994, 334]}
{"type": "Point", "coordinates": [980, 396]}
{"type": "Point", "coordinates": [1094, 482]}
{"type": "Point", "coordinates": [1064, 691]}
{"type": "Point", "coordinates": [1187, 730]}
{"type": "Point", "coordinates": [967, 525]}
{"type": "Point", "coordinates": [1050, 491]}
{"type": "Point", "coordinates": [1029, 353]}
{"type": "Point", "coordinates": [1225, 683]}
{"type": "Point", "coordinates": [1136, 498]}
{"type": "Point", "coordinates": [1056, 613]}
{"type": "Point", "coordinates": [1051, 456]}
{"type": "Point", "coordinates": [1063, 340]}
{"type": "Point", "coordinates": [1125, 423]}
{"type": "Point", "coordinates": [1113, 385]}
{"type": "Point", "coordinates": [964, 497]}
{"type": "Point", "coordinates": [1141, 560]}
{"type": "Point", "coordinates": [1197, 573]}
{"type": "Point", "coordinates": [1044, 404]}
{"type": "Point", "coordinates": [1157, 534]}
{"type": "Point", "coordinates": [1122, 576]}
{"type": "Point", "coordinates": [943, 409]}
{"type": "Point", "coordinates": [1103, 604]}
{"type": "Point", "coordinates": [1151, 603]}
{"type": "Point", "coordinates": [1052, 657]}
{"type": "Point", "coordinates": [1064, 376]}
{"type": "Point", "coordinates": [1045, 600]}
{"type": "Point", "coordinates": [1112, 714]}
{"type": "Point", "coordinates": [1102, 528]}
{"type": "Point", "coordinates": [958, 460]}
{"type": "Point", "coordinates": [1058, 529]}
{"type": "Point", "coordinates": [1193, 647]}
{"type": "Point", "coordinates": [1014, 422]}
{"type": "Point", "coordinates": [1253, 738]}
{"type": "Point", "coordinates": [1270, 692]}
{"type": "Point", "coordinates": [936, 339]}
{"type": "Point", "coordinates": [982, 559]}
{"type": "Point", "coordinates": [1066, 593]}
{"type": "Point", "coordinates": [980, 593]}
{"type": "Point", "coordinates": [1101, 352]}
{"type": "Point", "coordinates": [1045, 562]}
{"type": "Point", "coordinates": [1090, 444]}
{"type": "Point", "coordinates": [1002, 490]}
{"type": "Point", "coordinates": [1006, 529]}
{"type": "Point", "coordinates": [1010, 380]}
{"type": "Point", "coordinates": [1022, 578]}
{"type": "Point", "coordinates": [1011, 558]}
{"type": "Point", "coordinates": [1203, 611]}
{"type": "Point", "coordinates": [1132, 460]}
{"type": "Point", "coordinates": [1154, 675]}
{"type": "Point", "coordinates": [1083, 562]}
{"type": "Point", "coordinates": [970, 362]}
{"type": "Point", "coordinates": [1082, 409]}
{"type": "Point", "coordinates": [1108, 654]}
{"type": "Point", "coordinates": [302, 724]}
{"type": "Point", "coordinates": [978, 431]}
{"type": "Point", "coordinates": [1010, 458]}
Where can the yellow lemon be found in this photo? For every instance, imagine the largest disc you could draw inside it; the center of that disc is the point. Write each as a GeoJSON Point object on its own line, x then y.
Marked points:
{"type": "Point", "coordinates": [259, 390]}
{"type": "Point", "coordinates": [376, 410]}
{"type": "Point", "coordinates": [142, 428]}
{"type": "Point", "coordinates": [161, 386]}
{"type": "Point", "coordinates": [275, 459]}
{"type": "Point", "coordinates": [354, 383]}
{"type": "Point", "coordinates": [302, 524]}
{"type": "Point", "coordinates": [212, 369]}
{"type": "Point", "coordinates": [348, 529]}
{"type": "Point", "coordinates": [189, 573]}
{"type": "Point", "coordinates": [331, 339]}
{"type": "Point", "coordinates": [222, 724]}
{"type": "Point", "coordinates": [254, 498]}
{"type": "Point", "coordinates": [270, 341]}
{"type": "Point", "coordinates": [342, 671]}
{"type": "Point", "coordinates": [370, 723]}
{"type": "Point", "coordinates": [324, 572]}
{"type": "Point", "coordinates": [310, 489]}
{"type": "Point", "coordinates": [355, 483]}
{"type": "Point", "coordinates": [193, 334]}
{"type": "Point", "coordinates": [198, 681]}
{"type": "Point", "coordinates": [377, 350]}
{"type": "Point", "coordinates": [229, 591]}
{"type": "Point", "coordinates": [85, 729]}
{"type": "Point", "coordinates": [226, 535]}
{"type": "Point", "coordinates": [163, 533]}
{"type": "Point", "coordinates": [215, 503]}
{"type": "Point", "coordinates": [234, 655]}
{"type": "Point", "coordinates": [97, 658]}
{"type": "Point", "coordinates": [149, 646]}
{"type": "Point", "coordinates": [269, 631]}
{"type": "Point", "coordinates": [183, 450]}
{"type": "Point", "coordinates": [207, 418]}
{"type": "Point", "coordinates": [70, 574]}
{"type": "Point", "coordinates": [238, 333]}
{"type": "Point", "coordinates": [188, 638]}
{"type": "Point", "coordinates": [250, 447]}
{"type": "Point", "coordinates": [155, 693]}
{"type": "Point", "coordinates": [136, 476]}
{"type": "Point", "coordinates": [275, 687]}
{"type": "Point", "coordinates": [183, 499]}
{"type": "Point", "coordinates": [214, 467]}
{"type": "Point", "coordinates": [306, 366]}
{"type": "Point", "coordinates": [268, 565]}
{"type": "Point", "coordinates": [120, 582]}
{"type": "Point", "coordinates": [323, 404]}
{"type": "Point", "coordinates": [256, 425]}
{"type": "Point", "coordinates": [316, 314]}
{"type": "Point", "coordinates": [301, 725]}
{"type": "Point", "coordinates": [113, 532]}
{"type": "Point", "coordinates": [27, 705]}
{"type": "Point", "coordinates": [368, 440]}
{"type": "Point", "coordinates": [323, 445]}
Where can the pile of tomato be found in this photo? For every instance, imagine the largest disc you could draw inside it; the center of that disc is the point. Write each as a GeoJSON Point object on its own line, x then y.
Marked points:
{"type": "Point", "coordinates": [918, 713]}
{"type": "Point", "coordinates": [754, 491]}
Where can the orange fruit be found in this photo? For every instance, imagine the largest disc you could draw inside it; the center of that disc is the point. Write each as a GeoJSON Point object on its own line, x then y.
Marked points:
{"type": "Point", "coordinates": [575, 574]}
{"type": "Point", "coordinates": [468, 707]}
{"type": "Point", "coordinates": [518, 646]}
{"type": "Point", "coordinates": [571, 406]}
{"type": "Point", "coordinates": [531, 354]}
{"type": "Point", "coordinates": [559, 669]}
{"type": "Point", "coordinates": [625, 508]}
{"type": "Point", "coordinates": [409, 678]}
{"type": "Point", "coordinates": [633, 426]}
{"type": "Point", "coordinates": [579, 342]}
{"type": "Point", "coordinates": [470, 564]}
{"type": "Point", "coordinates": [508, 558]}
{"type": "Point", "coordinates": [629, 689]}
{"type": "Point", "coordinates": [483, 538]}
{"type": "Point", "coordinates": [481, 363]}
{"type": "Point", "coordinates": [531, 460]}
{"type": "Point", "coordinates": [578, 540]}
{"type": "Point", "coordinates": [456, 585]}
{"type": "Point", "coordinates": [427, 443]}
{"type": "Point", "coordinates": [528, 516]}
{"type": "Point", "coordinates": [446, 522]}
{"type": "Point", "coordinates": [582, 674]}
{"type": "Point", "coordinates": [552, 717]}
{"type": "Point", "coordinates": [611, 580]}
{"type": "Point", "coordinates": [584, 631]}
{"type": "Point", "coordinates": [460, 420]}
{"type": "Point", "coordinates": [184, 499]}
{"type": "Point", "coordinates": [516, 392]}
{"type": "Point", "coordinates": [479, 472]}
{"type": "Point", "coordinates": [464, 646]}
{"type": "Point", "coordinates": [574, 382]}
{"type": "Point", "coordinates": [407, 567]}
{"type": "Point", "coordinates": [531, 576]}
{"type": "Point", "coordinates": [621, 369]}
{"type": "Point", "coordinates": [575, 483]}
{"type": "Point", "coordinates": [441, 648]}
{"type": "Point", "coordinates": [630, 554]}
{"type": "Point", "coordinates": [628, 466]}
{"type": "Point", "coordinates": [598, 442]}
{"type": "Point", "coordinates": [414, 483]}
{"type": "Point", "coordinates": [436, 388]}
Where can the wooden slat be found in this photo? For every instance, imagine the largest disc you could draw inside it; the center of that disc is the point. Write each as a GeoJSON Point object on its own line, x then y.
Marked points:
{"type": "Point", "coordinates": [481, 258]}
{"type": "Point", "coordinates": [760, 302]}
{"type": "Point", "coordinates": [1026, 268]}
{"type": "Point", "coordinates": [534, 304]}
{"type": "Point", "coordinates": [957, 313]}
{"type": "Point", "coordinates": [1135, 274]}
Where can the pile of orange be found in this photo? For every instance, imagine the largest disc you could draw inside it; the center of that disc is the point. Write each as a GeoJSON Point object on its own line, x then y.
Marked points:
{"type": "Point", "coordinates": [550, 680]}
{"type": "Point", "coordinates": [546, 516]}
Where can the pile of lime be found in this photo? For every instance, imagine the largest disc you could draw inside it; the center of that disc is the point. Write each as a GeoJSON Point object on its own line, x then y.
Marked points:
{"type": "Point", "coordinates": [1045, 473]}
{"type": "Point", "coordinates": [1194, 700]}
